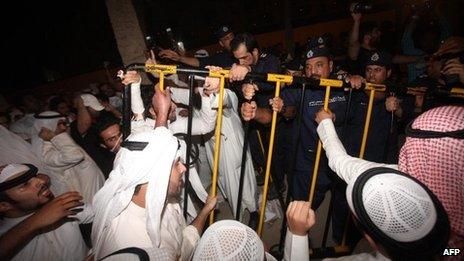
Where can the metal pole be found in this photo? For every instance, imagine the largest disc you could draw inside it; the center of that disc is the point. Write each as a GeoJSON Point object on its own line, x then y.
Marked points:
{"type": "Point", "coordinates": [268, 164]}
{"type": "Point", "coordinates": [126, 112]}
{"type": "Point", "coordinates": [283, 229]}
{"type": "Point", "coordinates": [361, 152]}
{"type": "Point", "coordinates": [246, 129]}
{"type": "Point", "coordinates": [217, 145]}
{"type": "Point", "coordinates": [367, 123]}
{"type": "Point", "coordinates": [188, 140]}
{"type": "Point", "coordinates": [318, 153]}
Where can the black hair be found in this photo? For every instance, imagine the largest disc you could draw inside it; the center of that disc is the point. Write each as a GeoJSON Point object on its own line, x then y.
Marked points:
{"type": "Point", "coordinates": [147, 92]}
{"type": "Point", "coordinates": [137, 189]}
{"type": "Point", "coordinates": [104, 122]}
{"type": "Point", "coordinates": [102, 97]}
{"type": "Point", "coordinates": [247, 39]}
{"type": "Point", "coordinates": [54, 102]}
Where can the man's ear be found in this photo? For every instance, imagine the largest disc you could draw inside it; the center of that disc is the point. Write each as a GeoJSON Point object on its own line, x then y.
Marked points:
{"type": "Point", "coordinates": [221, 44]}
{"type": "Point", "coordinates": [5, 206]}
{"type": "Point", "coordinates": [331, 63]}
{"type": "Point", "coordinates": [389, 71]}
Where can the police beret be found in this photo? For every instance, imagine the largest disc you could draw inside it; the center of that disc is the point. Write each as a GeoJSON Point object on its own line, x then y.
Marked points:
{"type": "Point", "coordinates": [318, 42]}
{"type": "Point", "coordinates": [380, 58]}
{"type": "Point", "coordinates": [222, 31]}
{"type": "Point", "coordinates": [317, 52]}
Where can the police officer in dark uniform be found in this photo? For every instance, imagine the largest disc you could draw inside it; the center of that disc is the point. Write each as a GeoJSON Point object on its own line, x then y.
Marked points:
{"type": "Point", "coordinates": [387, 110]}
{"type": "Point", "coordinates": [223, 58]}
{"type": "Point", "coordinates": [246, 50]}
{"type": "Point", "coordinates": [318, 64]}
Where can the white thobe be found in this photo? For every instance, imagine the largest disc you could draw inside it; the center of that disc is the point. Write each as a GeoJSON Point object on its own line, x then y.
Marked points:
{"type": "Point", "coordinates": [23, 126]}
{"type": "Point", "coordinates": [72, 165]}
{"type": "Point", "coordinates": [64, 243]}
{"type": "Point", "coordinates": [129, 230]}
{"type": "Point", "coordinates": [14, 149]}
{"type": "Point", "coordinates": [230, 159]}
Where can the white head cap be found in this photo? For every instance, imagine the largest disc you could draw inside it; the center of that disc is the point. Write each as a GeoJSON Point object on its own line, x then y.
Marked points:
{"type": "Point", "coordinates": [229, 240]}
{"type": "Point", "coordinates": [397, 210]}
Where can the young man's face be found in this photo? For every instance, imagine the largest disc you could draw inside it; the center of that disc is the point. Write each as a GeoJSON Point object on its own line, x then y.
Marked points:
{"type": "Point", "coordinates": [61, 126]}
{"type": "Point", "coordinates": [225, 41]}
{"type": "Point", "coordinates": [111, 137]}
{"type": "Point", "coordinates": [318, 67]}
{"type": "Point", "coordinates": [30, 195]}
{"type": "Point", "coordinates": [176, 182]}
{"type": "Point", "coordinates": [244, 56]}
{"type": "Point", "coordinates": [377, 74]}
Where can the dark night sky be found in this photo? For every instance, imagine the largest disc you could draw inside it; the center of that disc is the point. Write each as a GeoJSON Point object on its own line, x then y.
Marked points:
{"type": "Point", "coordinates": [57, 39]}
{"type": "Point", "coordinates": [51, 40]}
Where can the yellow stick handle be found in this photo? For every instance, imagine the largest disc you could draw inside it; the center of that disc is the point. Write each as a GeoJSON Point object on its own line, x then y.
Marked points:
{"type": "Point", "coordinates": [318, 152]}
{"type": "Point", "coordinates": [260, 140]}
{"type": "Point", "coordinates": [161, 81]}
{"type": "Point", "coordinates": [366, 124]}
{"type": "Point", "coordinates": [217, 146]}
{"type": "Point", "coordinates": [262, 209]}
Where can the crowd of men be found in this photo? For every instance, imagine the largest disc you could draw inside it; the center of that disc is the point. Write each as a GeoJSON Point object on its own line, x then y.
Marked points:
{"type": "Point", "coordinates": [72, 188]}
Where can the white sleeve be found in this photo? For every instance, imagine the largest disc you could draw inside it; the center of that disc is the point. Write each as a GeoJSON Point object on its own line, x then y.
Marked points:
{"type": "Point", "coordinates": [86, 215]}
{"type": "Point", "coordinates": [61, 151]}
{"type": "Point", "coordinates": [190, 238]}
{"type": "Point", "coordinates": [346, 167]}
{"type": "Point", "coordinates": [203, 121]}
{"type": "Point", "coordinates": [296, 247]}
{"type": "Point", "coordinates": [180, 95]}
{"type": "Point", "coordinates": [136, 99]}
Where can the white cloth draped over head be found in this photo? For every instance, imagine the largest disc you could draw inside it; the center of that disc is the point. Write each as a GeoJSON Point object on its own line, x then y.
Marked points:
{"type": "Point", "coordinates": [153, 165]}
{"type": "Point", "coordinates": [14, 149]}
{"type": "Point", "coordinates": [50, 123]}
{"type": "Point", "coordinates": [11, 170]}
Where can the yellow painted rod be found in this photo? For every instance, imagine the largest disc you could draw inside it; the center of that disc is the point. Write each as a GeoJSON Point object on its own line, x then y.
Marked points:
{"type": "Point", "coordinates": [261, 144]}
{"type": "Point", "coordinates": [318, 152]}
{"type": "Point", "coordinates": [161, 81]}
{"type": "Point", "coordinates": [262, 210]}
{"type": "Point", "coordinates": [367, 123]}
{"type": "Point", "coordinates": [217, 146]}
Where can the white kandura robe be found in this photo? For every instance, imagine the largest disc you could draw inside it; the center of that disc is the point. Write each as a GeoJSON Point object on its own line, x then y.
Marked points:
{"type": "Point", "coordinates": [23, 126]}
{"type": "Point", "coordinates": [72, 165]}
{"type": "Point", "coordinates": [64, 243]}
{"type": "Point", "coordinates": [129, 230]}
{"type": "Point", "coordinates": [14, 149]}
{"type": "Point", "coordinates": [230, 159]}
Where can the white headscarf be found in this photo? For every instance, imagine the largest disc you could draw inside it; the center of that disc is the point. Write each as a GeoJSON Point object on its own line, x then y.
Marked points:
{"type": "Point", "coordinates": [153, 165]}
{"type": "Point", "coordinates": [49, 123]}
{"type": "Point", "coordinates": [14, 149]}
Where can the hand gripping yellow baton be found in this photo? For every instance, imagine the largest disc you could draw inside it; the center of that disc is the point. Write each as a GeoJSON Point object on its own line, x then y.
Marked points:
{"type": "Point", "coordinates": [278, 79]}
{"type": "Point", "coordinates": [328, 83]}
{"type": "Point", "coordinates": [221, 74]}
